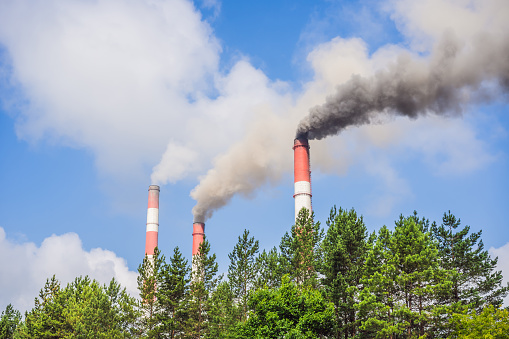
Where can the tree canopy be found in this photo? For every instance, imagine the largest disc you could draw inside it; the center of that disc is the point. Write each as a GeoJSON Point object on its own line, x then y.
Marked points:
{"type": "Point", "coordinates": [411, 280]}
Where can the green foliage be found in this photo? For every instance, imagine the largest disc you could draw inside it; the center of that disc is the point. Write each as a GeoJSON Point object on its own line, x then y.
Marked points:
{"type": "Point", "coordinates": [83, 309]}
{"type": "Point", "coordinates": [243, 270]}
{"type": "Point", "coordinates": [272, 267]}
{"type": "Point", "coordinates": [402, 280]}
{"type": "Point", "coordinates": [148, 279]}
{"type": "Point", "coordinates": [474, 281]}
{"type": "Point", "coordinates": [172, 294]}
{"type": "Point", "coordinates": [223, 313]}
{"type": "Point", "coordinates": [290, 311]}
{"type": "Point", "coordinates": [300, 249]}
{"type": "Point", "coordinates": [203, 283]}
{"type": "Point", "coordinates": [491, 323]}
{"type": "Point", "coordinates": [344, 250]}
{"type": "Point", "coordinates": [417, 281]}
{"type": "Point", "coordinates": [9, 321]}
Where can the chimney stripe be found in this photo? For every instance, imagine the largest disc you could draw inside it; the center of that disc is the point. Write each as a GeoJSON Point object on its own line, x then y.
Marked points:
{"type": "Point", "coordinates": [152, 229]}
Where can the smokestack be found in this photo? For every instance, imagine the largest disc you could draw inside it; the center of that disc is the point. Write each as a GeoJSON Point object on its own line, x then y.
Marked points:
{"type": "Point", "coordinates": [152, 220]}
{"type": "Point", "coordinates": [302, 175]}
{"type": "Point", "coordinates": [198, 234]}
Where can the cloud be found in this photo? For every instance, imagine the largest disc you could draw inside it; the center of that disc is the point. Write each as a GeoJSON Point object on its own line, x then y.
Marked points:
{"type": "Point", "coordinates": [29, 265]}
{"type": "Point", "coordinates": [503, 264]}
{"type": "Point", "coordinates": [138, 84]}
{"type": "Point", "coordinates": [115, 77]}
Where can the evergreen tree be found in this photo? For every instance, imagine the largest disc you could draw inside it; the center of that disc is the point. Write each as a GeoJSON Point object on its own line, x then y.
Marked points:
{"type": "Point", "coordinates": [203, 283]}
{"type": "Point", "coordinates": [46, 319]}
{"type": "Point", "coordinates": [9, 321]}
{"type": "Point", "coordinates": [83, 309]}
{"type": "Point", "coordinates": [243, 270]}
{"type": "Point", "coordinates": [474, 281]}
{"type": "Point", "coordinates": [272, 267]}
{"type": "Point", "coordinates": [172, 294]}
{"type": "Point", "coordinates": [223, 314]}
{"type": "Point", "coordinates": [300, 249]}
{"type": "Point", "coordinates": [344, 251]}
{"type": "Point", "coordinates": [402, 281]}
{"type": "Point", "coordinates": [491, 323]}
{"type": "Point", "coordinates": [148, 280]}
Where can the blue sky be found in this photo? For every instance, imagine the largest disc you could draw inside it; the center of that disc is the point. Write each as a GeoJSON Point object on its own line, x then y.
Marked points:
{"type": "Point", "coordinates": [101, 99]}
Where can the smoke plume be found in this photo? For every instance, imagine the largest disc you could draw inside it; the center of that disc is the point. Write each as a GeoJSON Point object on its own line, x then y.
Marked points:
{"type": "Point", "coordinates": [250, 164]}
{"type": "Point", "coordinates": [456, 73]}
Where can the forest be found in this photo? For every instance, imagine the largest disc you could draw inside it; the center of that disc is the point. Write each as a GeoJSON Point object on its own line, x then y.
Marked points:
{"type": "Point", "coordinates": [415, 279]}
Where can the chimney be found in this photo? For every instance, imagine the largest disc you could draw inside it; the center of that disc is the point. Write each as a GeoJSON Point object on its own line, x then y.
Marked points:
{"type": "Point", "coordinates": [302, 175]}
{"type": "Point", "coordinates": [152, 220]}
{"type": "Point", "coordinates": [198, 234]}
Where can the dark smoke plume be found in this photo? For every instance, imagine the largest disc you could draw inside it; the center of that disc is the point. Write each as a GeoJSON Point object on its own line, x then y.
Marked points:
{"type": "Point", "coordinates": [456, 73]}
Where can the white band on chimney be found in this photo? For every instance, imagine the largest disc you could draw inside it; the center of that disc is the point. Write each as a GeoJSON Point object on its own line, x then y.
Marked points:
{"type": "Point", "coordinates": [153, 215]}
{"type": "Point", "coordinates": [152, 228]}
{"type": "Point", "coordinates": [302, 200]}
{"type": "Point", "coordinates": [302, 187]}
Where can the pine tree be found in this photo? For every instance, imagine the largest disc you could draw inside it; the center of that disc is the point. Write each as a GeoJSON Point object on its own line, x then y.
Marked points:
{"type": "Point", "coordinates": [9, 321]}
{"type": "Point", "coordinates": [149, 273]}
{"type": "Point", "coordinates": [344, 250]}
{"type": "Point", "coordinates": [300, 249]}
{"type": "Point", "coordinates": [243, 270]}
{"type": "Point", "coordinates": [83, 309]}
{"type": "Point", "coordinates": [474, 281]}
{"type": "Point", "coordinates": [272, 267]}
{"type": "Point", "coordinates": [203, 283]}
{"type": "Point", "coordinates": [222, 312]}
{"type": "Point", "coordinates": [171, 296]}
{"type": "Point", "coordinates": [46, 319]}
{"type": "Point", "coordinates": [401, 282]}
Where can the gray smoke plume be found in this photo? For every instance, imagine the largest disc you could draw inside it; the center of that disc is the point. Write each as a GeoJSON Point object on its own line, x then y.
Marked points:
{"type": "Point", "coordinates": [456, 73]}
{"type": "Point", "coordinates": [255, 161]}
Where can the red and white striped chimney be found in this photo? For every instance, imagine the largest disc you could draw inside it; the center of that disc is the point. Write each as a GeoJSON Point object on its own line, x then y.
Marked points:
{"type": "Point", "coordinates": [152, 220]}
{"type": "Point", "coordinates": [302, 175]}
{"type": "Point", "coordinates": [198, 234]}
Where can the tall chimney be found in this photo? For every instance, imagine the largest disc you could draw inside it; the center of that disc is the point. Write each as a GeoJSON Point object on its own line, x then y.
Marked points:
{"type": "Point", "coordinates": [152, 220]}
{"type": "Point", "coordinates": [302, 175]}
{"type": "Point", "coordinates": [198, 234]}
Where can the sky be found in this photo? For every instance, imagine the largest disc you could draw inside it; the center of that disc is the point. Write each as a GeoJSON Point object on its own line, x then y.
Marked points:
{"type": "Point", "coordinates": [100, 99]}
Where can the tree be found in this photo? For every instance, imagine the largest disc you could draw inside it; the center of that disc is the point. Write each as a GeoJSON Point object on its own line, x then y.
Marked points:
{"type": "Point", "coordinates": [9, 321]}
{"type": "Point", "coordinates": [223, 314]}
{"type": "Point", "coordinates": [491, 323]}
{"type": "Point", "coordinates": [401, 283]}
{"type": "Point", "coordinates": [290, 311]}
{"type": "Point", "coordinates": [344, 251]}
{"type": "Point", "coordinates": [46, 319]}
{"type": "Point", "coordinates": [243, 270]}
{"type": "Point", "coordinates": [203, 283]}
{"type": "Point", "coordinates": [272, 268]}
{"type": "Point", "coordinates": [474, 281]}
{"type": "Point", "coordinates": [172, 294]}
{"type": "Point", "coordinates": [83, 309]}
{"type": "Point", "coordinates": [300, 249]}
{"type": "Point", "coordinates": [148, 280]}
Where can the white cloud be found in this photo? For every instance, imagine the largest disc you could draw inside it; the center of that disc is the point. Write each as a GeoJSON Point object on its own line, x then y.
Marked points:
{"type": "Point", "coordinates": [139, 85]}
{"type": "Point", "coordinates": [503, 264]}
{"type": "Point", "coordinates": [111, 76]}
{"type": "Point", "coordinates": [26, 267]}
{"type": "Point", "coordinates": [423, 22]}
